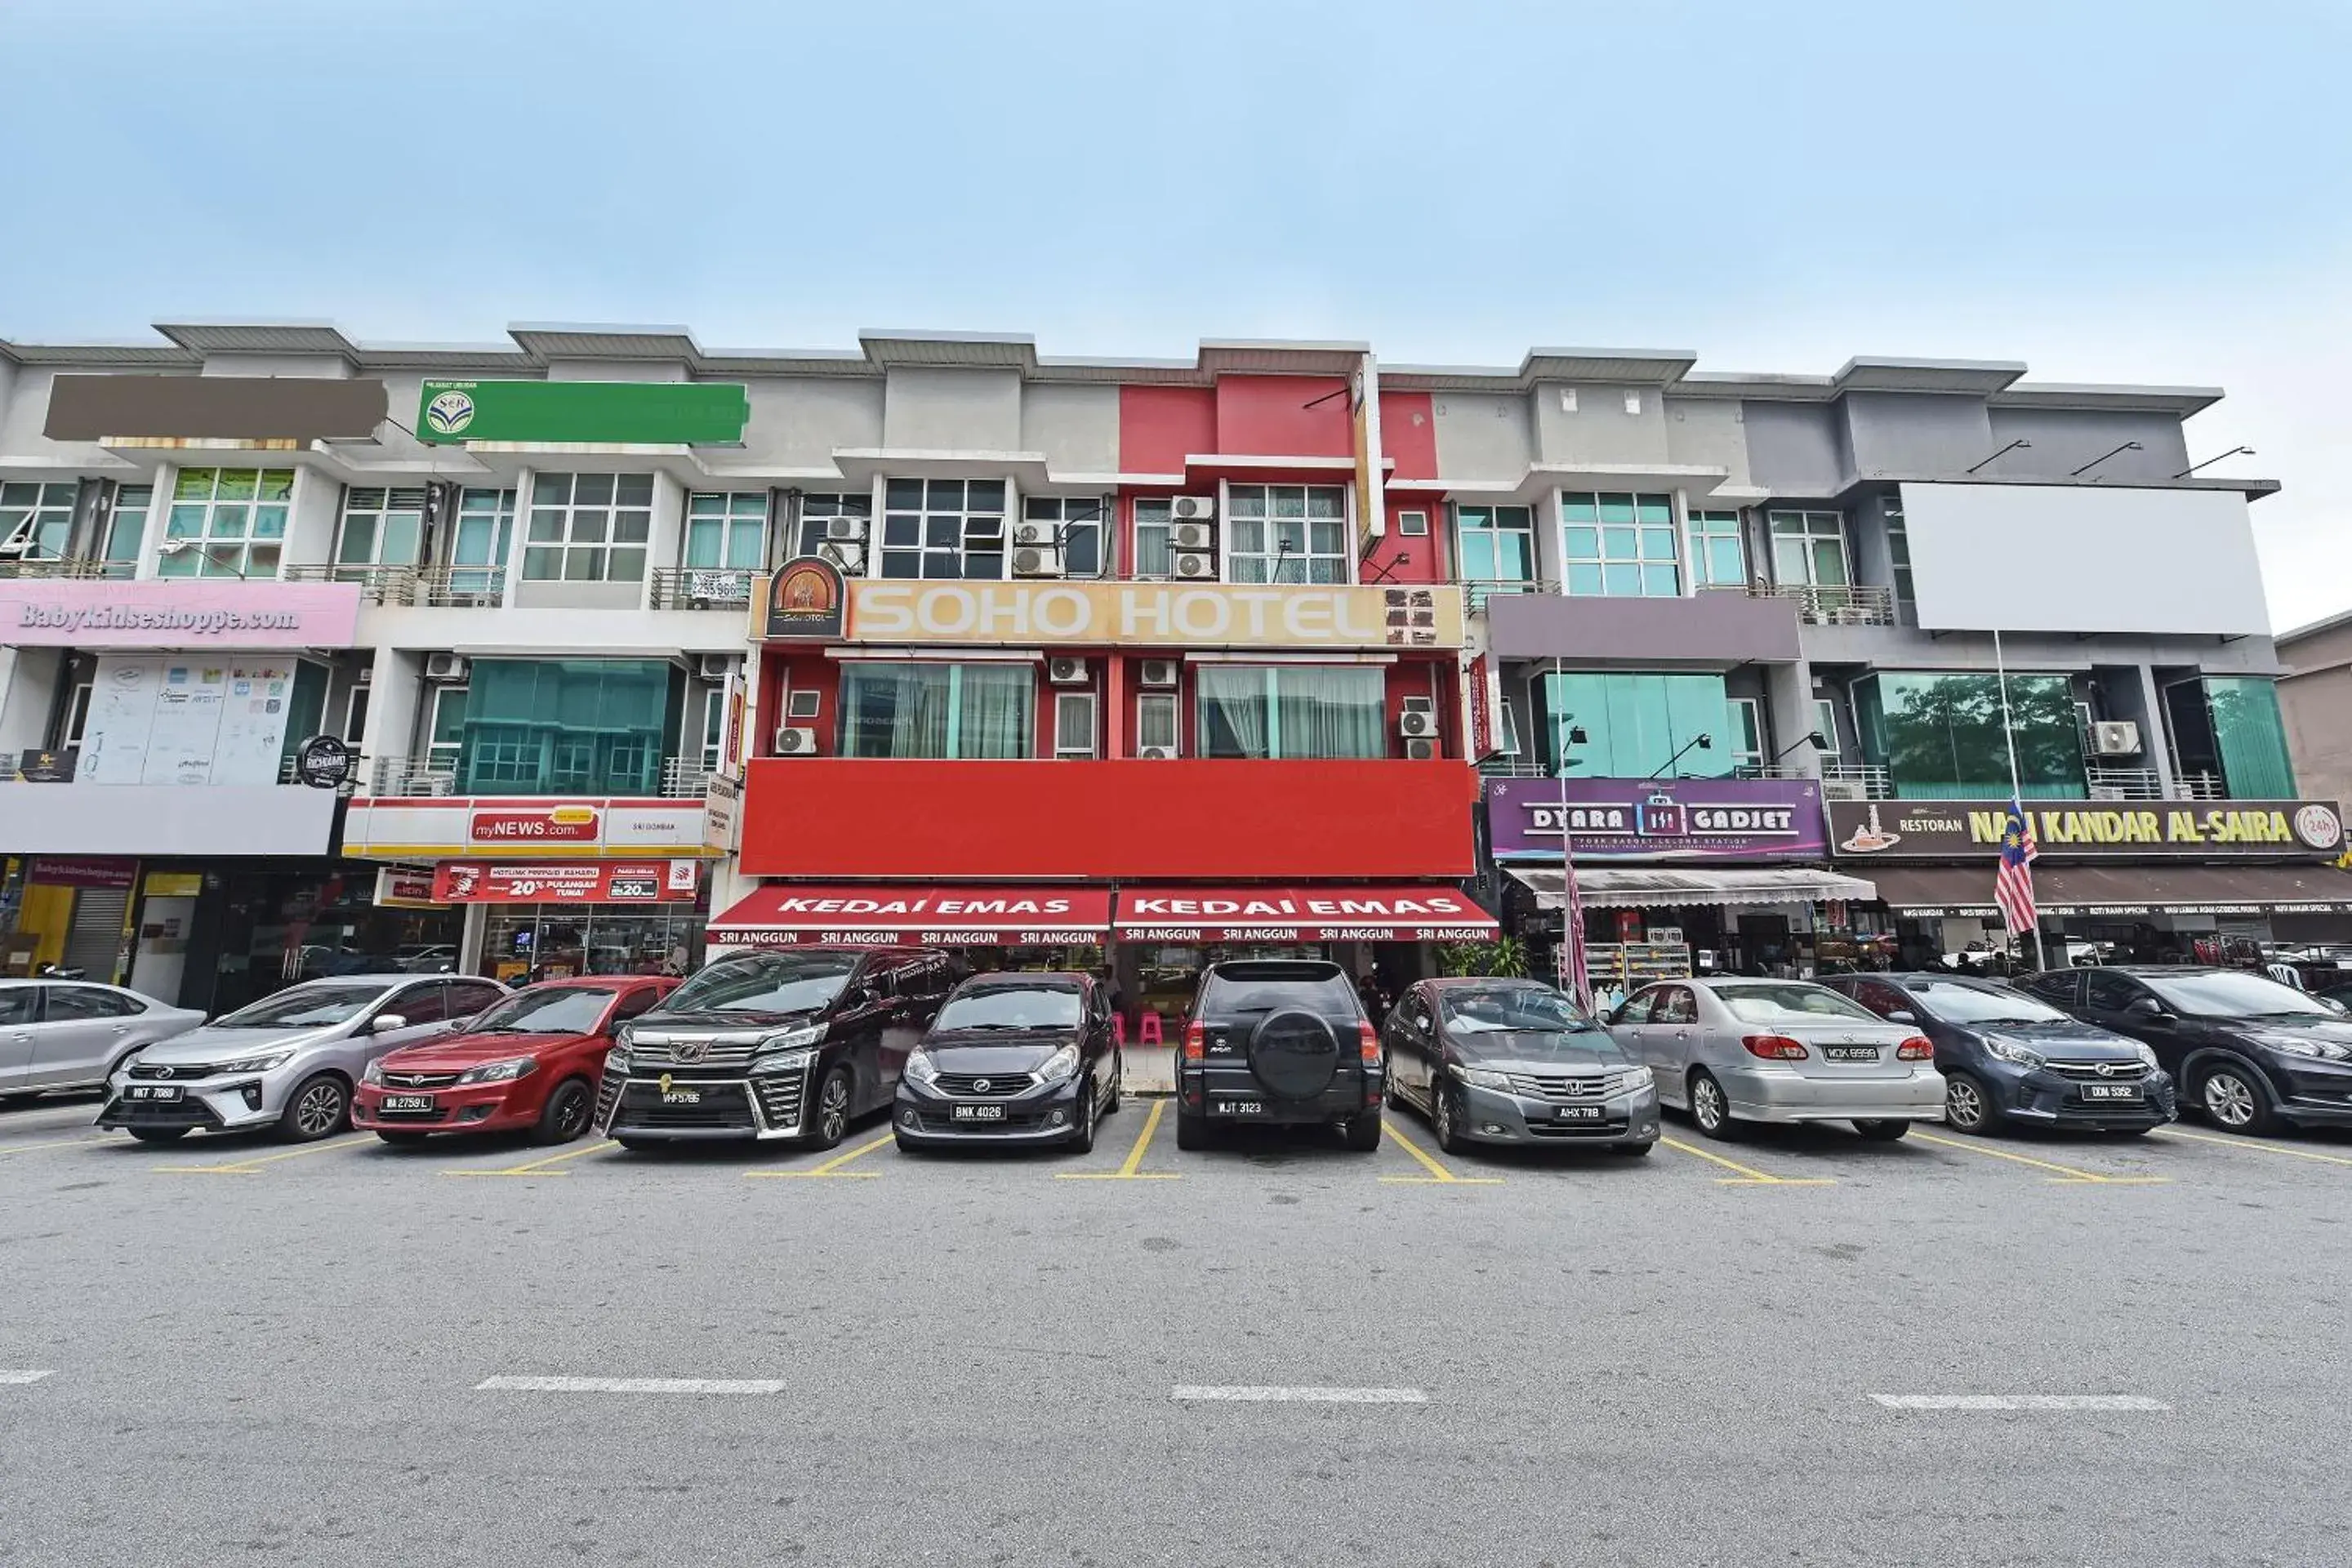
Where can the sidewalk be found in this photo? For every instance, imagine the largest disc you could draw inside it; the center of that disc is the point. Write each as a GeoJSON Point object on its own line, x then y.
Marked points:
{"type": "Point", "coordinates": [1151, 1071]}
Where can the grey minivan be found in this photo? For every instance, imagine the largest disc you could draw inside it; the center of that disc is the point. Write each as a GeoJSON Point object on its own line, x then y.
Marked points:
{"type": "Point", "coordinates": [66, 1035]}
{"type": "Point", "coordinates": [289, 1060]}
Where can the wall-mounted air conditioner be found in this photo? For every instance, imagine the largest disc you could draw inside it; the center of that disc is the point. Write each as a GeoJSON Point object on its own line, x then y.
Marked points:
{"type": "Point", "coordinates": [1198, 565]}
{"type": "Point", "coordinates": [796, 740]}
{"type": "Point", "coordinates": [847, 559]}
{"type": "Point", "coordinates": [2115, 738]}
{"type": "Point", "coordinates": [852, 527]}
{"type": "Point", "coordinates": [1414, 725]}
{"type": "Point", "coordinates": [713, 665]}
{"type": "Point", "coordinates": [1035, 532]}
{"type": "Point", "coordinates": [1034, 563]}
{"type": "Point", "coordinates": [1161, 672]}
{"type": "Point", "coordinates": [1156, 753]}
{"type": "Point", "coordinates": [1067, 671]}
{"type": "Point", "coordinates": [1193, 508]}
{"type": "Point", "coordinates": [1421, 750]}
{"type": "Point", "coordinates": [445, 667]}
{"type": "Point", "coordinates": [1191, 536]}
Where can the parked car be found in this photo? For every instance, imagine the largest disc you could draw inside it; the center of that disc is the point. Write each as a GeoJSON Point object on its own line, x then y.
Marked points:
{"type": "Point", "coordinates": [289, 1060]}
{"type": "Point", "coordinates": [1516, 1061]}
{"type": "Point", "coordinates": [61, 1035]}
{"type": "Point", "coordinates": [794, 1044]}
{"type": "Point", "coordinates": [531, 1061]}
{"type": "Point", "coordinates": [2008, 1057]}
{"type": "Point", "coordinates": [1733, 1050]}
{"type": "Point", "coordinates": [1281, 1042]}
{"type": "Point", "coordinates": [2252, 1054]}
{"type": "Point", "coordinates": [1013, 1058]}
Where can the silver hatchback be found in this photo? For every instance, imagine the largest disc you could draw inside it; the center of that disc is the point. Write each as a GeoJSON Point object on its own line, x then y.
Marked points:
{"type": "Point", "coordinates": [1732, 1050]}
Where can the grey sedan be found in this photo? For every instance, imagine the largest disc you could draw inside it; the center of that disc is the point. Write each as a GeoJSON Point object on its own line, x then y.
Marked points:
{"type": "Point", "coordinates": [1515, 1061]}
{"type": "Point", "coordinates": [66, 1035]}
{"type": "Point", "coordinates": [1732, 1050]}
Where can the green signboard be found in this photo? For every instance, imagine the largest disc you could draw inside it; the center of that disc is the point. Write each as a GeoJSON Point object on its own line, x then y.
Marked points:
{"type": "Point", "coordinates": [603, 413]}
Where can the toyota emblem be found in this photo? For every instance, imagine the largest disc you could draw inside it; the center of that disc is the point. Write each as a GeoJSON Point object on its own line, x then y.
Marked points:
{"type": "Point", "coordinates": [690, 1051]}
{"type": "Point", "coordinates": [2109, 1069]}
{"type": "Point", "coordinates": [980, 1086]}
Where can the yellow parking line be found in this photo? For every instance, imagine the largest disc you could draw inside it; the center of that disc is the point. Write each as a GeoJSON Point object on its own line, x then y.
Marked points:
{"type": "Point", "coordinates": [1438, 1174]}
{"type": "Point", "coordinates": [2172, 1132]}
{"type": "Point", "coordinates": [1746, 1176]}
{"type": "Point", "coordinates": [1131, 1170]}
{"type": "Point", "coordinates": [60, 1143]}
{"type": "Point", "coordinates": [2067, 1174]}
{"type": "Point", "coordinates": [833, 1167]}
{"type": "Point", "coordinates": [540, 1167]}
{"type": "Point", "coordinates": [249, 1167]}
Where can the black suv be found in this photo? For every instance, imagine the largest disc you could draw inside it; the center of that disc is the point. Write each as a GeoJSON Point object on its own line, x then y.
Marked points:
{"type": "Point", "coordinates": [1013, 1058]}
{"type": "Point", "coordinates": [2252, 1054]}
{"type": "Point", "coordinates": [1279, 1042]}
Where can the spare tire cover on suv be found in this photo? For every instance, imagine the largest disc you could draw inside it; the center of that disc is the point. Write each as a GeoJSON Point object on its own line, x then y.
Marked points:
{"type": "Point", "coordinates": [1294, 1054]}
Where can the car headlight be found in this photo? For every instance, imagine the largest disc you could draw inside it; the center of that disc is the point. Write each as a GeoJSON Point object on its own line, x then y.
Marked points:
{"type": "Point", "coordinates": [505, 1071]}
{"type": "Point", "coordinates": [789, 1039]}
{"type": "Point", "coordinates": [781, 1062]}
{"type": "Point", "coordinates": [1061, 1065]}
{"type": "Point", "coordinates": [374, 1072]}
{"type": "Point", "coordinates": [252, 1064]}
{"type": "Point", "coordinates": [2146, 1054]}
{"type": "Point", "coordinates": [2296, 1045]}
{"type": "Point", "coordinates": [922, 1067]}
{"type": "Point", "coordinates": [2010, 1051]}
{"type": "Point", "coordinates": [1482, 1077]}
{"type": "Point", "coordinates": [1638, 1078]}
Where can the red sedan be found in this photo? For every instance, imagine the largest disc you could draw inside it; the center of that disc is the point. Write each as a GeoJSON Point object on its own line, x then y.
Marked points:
{"type": "Point", "coordinates": [531, 1061]}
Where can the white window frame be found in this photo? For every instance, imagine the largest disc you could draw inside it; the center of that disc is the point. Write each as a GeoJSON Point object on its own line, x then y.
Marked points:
{"type": "Point", "coordinates": [1813, 533]}
{"type": "Point", "coordinates": [1825, 721]}
{"type": "Point", "coordinates": [434, 761]}
{"type": "Point", "coordinates": [971, 527]}
{"type": "Point", "coordinates": [1105, 509]}
{"type": "Point", "coordinates": [1065, 703]}
{"type": "Point", "coordinates": [78, 711]}
{"type": "Point", "coordinates": [1346, 555]}
{"type": "Point", "coordinates": [222, 555]}
{"type": "Point", "coordinates": [1166, 523]}
{"type": "Point", "coordinates": [599, 550]}
{"type": "Point", "coordinates": [1495, 530]}
{"type": "Point", "coordinates": [20, 539]}
{"type": "Point", "coordinates": [1671, 527]}
{"type": "Point", "coordinates": [355, 713]}
{"type": "Point", "coordinates": [1412, 524]}
{"type": "Point", "coordinates": [1753, 708]}
{"type": "Point", "coordinates": [1701, 576]}
{"type": "Point", "coordinates": [814, 509]}
{"type": "Point", "coordinates": [729, 518]}
{"type": "Point", "coordinates": [1506, 729]}
{"type": "Point", "coordinates": [1155, 702]}
{"type": "Point", "coordinates": [386, 500]}
{"type": "Point", "coordinates": [710, 741]}
{"type": "Point", "coordinates": [124, 538]}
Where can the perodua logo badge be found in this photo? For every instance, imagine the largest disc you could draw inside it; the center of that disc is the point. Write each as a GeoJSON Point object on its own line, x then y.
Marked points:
{"type": "Point", "coordinates": [2109, 1069]}
{"type": "Point", "coordinates": [980, 1086]}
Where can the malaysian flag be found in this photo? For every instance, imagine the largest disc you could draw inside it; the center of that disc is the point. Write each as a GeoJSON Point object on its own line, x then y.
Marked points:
{"type": "Point", "coordinates": [2012, 885]}
{"type": "Point", "coordinates": [1575, 975]}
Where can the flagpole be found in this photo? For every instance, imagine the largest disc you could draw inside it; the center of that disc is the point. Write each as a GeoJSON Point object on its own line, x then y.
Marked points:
{"type": "Point", "coordinates": [2009, 736]}
{"type": "Point", "coordinates": [1571, 929]}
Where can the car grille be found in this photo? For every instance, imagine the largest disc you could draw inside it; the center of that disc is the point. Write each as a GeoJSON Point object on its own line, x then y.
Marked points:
{"type": "Point", "coordinates": [184, 1071]}
{"type": "Point", "coordinates": [2088, 1072]}
{"type": "Point", "coordinates": [419, 1079]}
{"type": "Point", "coordinates": [608, 1092]}
{"type": "Point", "coordinates": [692, 1050]}
{"type": "Point", "coordinates": [780, 1097]}
{"type": "Point", "coordinates": [1568, 1088]}
{"type": "Point", "coordinates": [163, 1113]}
{"type": "Point", "coordinates": [998, 1084]}
{"type": "Point", "coordinates": [939, 1122]}
{"type": "Point", "coordinates": [724, 1106]}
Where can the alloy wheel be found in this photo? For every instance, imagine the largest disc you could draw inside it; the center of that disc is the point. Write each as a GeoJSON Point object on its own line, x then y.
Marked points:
{"type": "Point", "coordinates": [1706, 1104]}
{"type": "Point", "coordinates": [1442, 1115]}
{"type": "Point", "coordinates": [833, 1109]}
{"type": "Point", "coordinates": [321, 1108]}
{"type": "Point", "coordinates": [572, 1112]}
{"type": "Point", "coordinates": [2229, 1100]}
{"type": "Point", "coordinates": [1963, 1106]}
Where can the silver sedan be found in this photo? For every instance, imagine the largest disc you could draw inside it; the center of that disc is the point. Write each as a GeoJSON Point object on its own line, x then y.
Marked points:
{"type": "Point", "coordinates": [72, 1034]}
{"type": "Point", "coordinates": [1731, 1050]}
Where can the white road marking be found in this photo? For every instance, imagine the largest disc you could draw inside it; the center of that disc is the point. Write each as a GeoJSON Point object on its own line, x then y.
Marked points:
{"type": "Point", "coordinates": [1256, 1394]}
{"type": "Point", "coordinates": [633, 1385]}
{"type": "Point", "coordinates": [23, 1376]}
{"type": "Point", "coordinates": [2019, 1401]}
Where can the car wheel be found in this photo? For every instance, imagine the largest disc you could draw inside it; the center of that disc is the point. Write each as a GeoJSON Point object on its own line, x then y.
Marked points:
{"type": "Point", "coordinates": [1710, 1110]}
{"type": "Point", "coordinates": [160, 1134]}
{"type": "Point", "coordinates": [1882, 1130]}
{"type": "Point", "coordinates": [403, 1140]}
{"type": "Point", "coordinates": [1082, 1136]}
{"type": "Point", "coordinates": [1118, 1084]}
{"type": "Point", "coordinates": [567, 1112]}
{"type": "Point", "coordinates": [1967, 1104]}
{"type": "Point", "coordinates": [320, 1106]}
{"type": "Point", "coordinates": [2235, 1100]}
{"type": "Point", "coordinates": [831, 1117]}
{"type": "Point", "coordinates": [1362, 1134]}
{"type": "Point", "coordinates": [1191, 1132]}
{"type": "Point", "coordinates": [1442, 1120]}
{"type": "Point", "coordinates": [637, 1145]}
{"type": "Point", "coordinates": [1632, 1150]}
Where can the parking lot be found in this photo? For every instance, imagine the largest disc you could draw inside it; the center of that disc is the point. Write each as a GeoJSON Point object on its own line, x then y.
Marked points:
{"type": "Point", "coordinates": [1950, 1349]}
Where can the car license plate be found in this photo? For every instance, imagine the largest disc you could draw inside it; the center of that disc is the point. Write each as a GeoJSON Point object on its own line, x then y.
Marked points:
{"type": "Point", "coordinates": [1579, 1113]}
{"type": "Point", "coordinates": [2111, 1091]}
{"type": "Point", "coordinates": [976, 1113]}
{"type": "Point", "coordinates": [407, 1102]}
{"type": "Point", "coordinates": [1237, 1108]}
{"type": "Point", "coordinates": [152, 1091]}
{"type": "Point", "coordinates": [681, 1097]}
{"type": "Point", "coordinates": [1849, 1053]}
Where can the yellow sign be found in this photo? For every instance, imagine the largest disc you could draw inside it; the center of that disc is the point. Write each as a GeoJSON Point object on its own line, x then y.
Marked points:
{"type": "Point", "coordinates": [175, 884]}
{"type": "Point", "coordinates": [1165, 615]}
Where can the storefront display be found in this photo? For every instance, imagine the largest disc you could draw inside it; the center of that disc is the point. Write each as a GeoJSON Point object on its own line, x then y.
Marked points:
{"type": "Point", "coordinates": [523, 943]}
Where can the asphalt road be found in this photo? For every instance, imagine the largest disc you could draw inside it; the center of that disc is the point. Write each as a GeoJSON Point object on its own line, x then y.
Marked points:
{"type": "Point", "coordinates": [1285, 1354]}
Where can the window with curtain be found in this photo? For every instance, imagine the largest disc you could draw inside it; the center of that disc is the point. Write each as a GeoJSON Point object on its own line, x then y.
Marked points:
{"type": "Point", "coordinates": [1809, 550]}
{"type": "Point", "coordinates": [1291, 710]}
{"type": "Point", "coordinates": [1152, 521]}
{"type": "Point", "coordinates": [726, 529]}
{"type": "Point", "coordinates": [1718, 558]}
{"type": "Point", "coordinates": [1620, 545]}
{"type": "Point", "coordinates": [1286, 533]}
{"type": "Point", "coordinates": [1942, 736]}
{"type": "Point", "coordinates": [964, 712]}
{"type": "Point", "coordinates": [1495, 543]}
{"type": "Point", "coordinates": [1635, 725]}
{"type": "Point", "coordinates": [568, 726]}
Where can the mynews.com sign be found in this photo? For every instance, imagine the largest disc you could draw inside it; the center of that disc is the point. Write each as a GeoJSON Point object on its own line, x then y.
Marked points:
{"type": "Point", "coordinates": [1174, 614]}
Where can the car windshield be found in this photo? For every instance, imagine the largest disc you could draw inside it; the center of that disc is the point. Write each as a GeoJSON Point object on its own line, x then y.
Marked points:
{"type": "Point", "coordinates": [1788, 1002]}
{"type": "Point", "coordinates": [1010, 1007]}
{"type": "Point", "coordinates": [1485, 1010]}
{"type": "Point", "coordinates": [765, 983]}
{"type": "Point", "coordinates": [556, 1010]}
{"type": "Point", "coordinates": [304, 1008]}
{"type": "Point", "coordinates": [1958, 1002]}
{"type": "Point", "coordinates": [2223, 995]}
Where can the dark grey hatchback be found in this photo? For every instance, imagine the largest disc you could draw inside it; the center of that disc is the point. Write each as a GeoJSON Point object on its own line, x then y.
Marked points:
{"type": "Point", "coordinates": [1516, 1061]}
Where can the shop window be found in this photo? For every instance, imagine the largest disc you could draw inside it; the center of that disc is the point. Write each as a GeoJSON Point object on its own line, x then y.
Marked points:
{"type": "Point", "coordinates": [382, 527]}
{"type": "Point", "coordinates": [1286, 533]}
{"type": "Point", "coordinates": [1074, 723]}
{"type": "Point", "coordinates": [1152, 551]}
{"type": "Point", "coordinates": [1156, 724]}
{"type": "Point", "coordinates": [1943, 736]}
{"type": "Point", "coordinates": [1638, 726]}
{"type": "Point", "coordinates": [1290, 711]}
{"type": "Point", "coordinates": [1809, 550]}
{"type": "Point", "coordinates": [128, 527]}
{"type": "Point", "coordinates": [1618, 545]}
{"type": "Point", "coordinates": [580, 726]}
{"type": "Point", "coordinates": [1077, 525]}
{"type": "Point", "coordinates": [482, 541]}
{"type": "Point", "coordinates": [938, 710]}
{"type": "Point", "coordinates": [35, 520]}
{"type": "Point", "coordinates": [1717, 557]}
{"type": "Point", "coordinates": [1495, 543]}
{"type": "Point", "coordinates": [818, 510]}
{"type": "Point", "coordinates": [227, 522]}
{"type": "Point", "coordinates": [589, 528]}
{"type": "Point", "coordinates": [525, 942]}
{"type": "Point", "coordinates": [726, 529]}
{"type": "Point", "coordinates": [943, 528]}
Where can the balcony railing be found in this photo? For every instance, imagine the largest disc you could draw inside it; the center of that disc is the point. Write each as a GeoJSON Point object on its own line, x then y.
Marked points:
{"type": "Point", "coordinates": [685, 778]}
{"type": "Point", "coordinates": [378, 584]}
{"type": "Point", "coordinates": [702, 588]}
{"type": "Point", "coordinates": [1857, 606]}
{"type": "Point", "coordinates": [1512, 768]}
{"type": "Point", "coordinates": [71, 566]}
{"type": "Point", "coordinates": [1771, 771]}
{"type": "Point", "coordinates": [682, 778]}
{"type": "Point", "coordinates": [2146, 783]}
{"type": "Point", "coordinates": [461, 587]}
{"type": "Point", "coordinates": [1475, 592]}
{"type": "Point", "coordinates": [1856, 780]}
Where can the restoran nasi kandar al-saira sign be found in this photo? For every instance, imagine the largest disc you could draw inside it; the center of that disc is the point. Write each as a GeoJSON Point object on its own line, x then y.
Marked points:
{"type": "Point", "coordinates": [2089, 830]}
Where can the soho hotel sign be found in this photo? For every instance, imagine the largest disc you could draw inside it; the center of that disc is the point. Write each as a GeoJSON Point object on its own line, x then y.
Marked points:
{"type": "Point", "coordinates": [1206, 615]}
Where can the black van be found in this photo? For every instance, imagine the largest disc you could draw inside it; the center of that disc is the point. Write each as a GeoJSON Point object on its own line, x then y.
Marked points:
{"type": "Point", "coordinates": [792, 1044]}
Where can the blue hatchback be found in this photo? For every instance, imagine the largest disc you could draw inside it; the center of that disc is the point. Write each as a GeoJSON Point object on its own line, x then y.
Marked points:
{"type": "Point", "coordinates": [2010, 1057]}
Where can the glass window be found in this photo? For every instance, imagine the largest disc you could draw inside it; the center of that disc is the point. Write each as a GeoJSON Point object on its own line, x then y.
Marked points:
{"type": "Point", "coordinates": [943, 528]}
{"type": "Point", "coordinates": [2230, 725]}
{"type": "Point", "coordinates": [304, 1006]}
{"type": "Point", "coordinates": [764, 985]}
{"type": "Point", "coordinates": [1898, 558]}
{"type": "Point", "coordinates": [1152, 521]}
{"type": "Point", "coordinates": [1293, 710]}
{"type": "Point", "coordinates": [1155, 721]}
{"type": "Point", "coordinates": [556, 1010]}
{"type": "Point", "coordinates": [1825, 721]}
{"type": "Point", "coordinates": [729, 530]}
{"type": "Point", "coordinates": [227, 522]}
{"type": "Point", "coordinates": [483, 540]}
{"type": "Point", "coordinates": [1942, 736]}
{"type": "Point", "coordinates": [446, 739]}
{"type": "Point", "coordinates": [1618, 545]}
{"type": "Point", "coordinates": [17, 1004]}
{"type": "Point", "coordinates": [1495, 543]}
{"type": "Point", "coordinates": [1786, 1002]}
{"type": "Point", "coordinates": [1809, 549]}
{"type": "Point", "coordinates": [67, 1002]}
{"type": "Point", "coordinates": [817, 511]}
{"type": "Point", "coordinates": [575, 726]}
{"type": "Point", "coordinates": [1974, 1002]}
{"type": "Point", "coordinates": [710, 744]}
{"type": "Point", "coordinates": [1074, 723]}
{"type": "Point", "coordinates": [382, 527]}
{"type": "Point", "coordinates": [355, 710]}
{"type": "Point", "coordinates": [1718, 559]}
{"type": "Point", "coordinates": [1635, 726]}
{"type": "Point", "coordinates": [128, 527]}
{"type": "Point", "coordinates": [2229, 994]}
{"type": "Point", "coordinates": [1074, 526]}
{"type": "Point", "coordinates": [1747, 732]}
{"type": "Point", "coordinates": [589, 528]}
{"type": "Point", "coordinates": [961, 711]}
{"type": "Point", "coordinates": [1012, 1007]}
{"type": "Point", "coordinates": [35, 520]}
{"type": "Point", "coordinates": [1288, 533]}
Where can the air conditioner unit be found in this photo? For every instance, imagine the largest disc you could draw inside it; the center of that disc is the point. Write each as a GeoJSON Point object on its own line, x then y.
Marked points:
{"type": "Point", "coordinates": [1193, 508]}
{"type": "Point", "coordinates": [713, 665]}
{"type": "Point", "coordinates": [849, 559]}
{"type": "Point", "coordinates": [1191, 536]}
{"type": "Point", "coordinates": [845, 527]}
{"type": "Point", "coordinates": [1844, 789]}
{"type": "Point", "coordinates": [1196, 564]}
{"type": "Point", "coordinates": [1419, 705]}
{"type": "Point", "coordinates": [2115, 738]}
{"type": "Point", "coordinates": [1035, 532]}
{"type": "Point", "coordinates": [1029, 562]}
{"type": "Point", "coordinates": [444, 667]}
{"type": "Point", "coordinates": [1412, 725]}
{"type": "Point", "coordinates": [1067, 671]}
{"type": "Point", "coordinates": [1158, 672]}
{"type": "Point", "coordinates": [1421, 750]}
{"type": "Point", "coordinates": [796, 740]}
{"type": "Point", "coordinates": [1156, 753]}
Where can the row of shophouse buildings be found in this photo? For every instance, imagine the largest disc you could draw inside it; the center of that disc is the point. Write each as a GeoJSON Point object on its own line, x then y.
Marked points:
{"type": "Point", "coordinates": [644, 650]}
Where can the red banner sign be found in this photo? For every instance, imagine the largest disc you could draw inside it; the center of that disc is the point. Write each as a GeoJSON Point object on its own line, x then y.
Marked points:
{"type": "Point", "coordinates": [584, 883]}
{"type": "Point", "coordinates": [808, 915]}
{"type": "Point", "coordinates": [535, 825]}
{"type": "Point", "coordinates": [1300, 914]}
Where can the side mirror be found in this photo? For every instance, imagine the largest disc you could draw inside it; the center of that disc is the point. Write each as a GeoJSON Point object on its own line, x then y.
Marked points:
{"type": "Point", "coordinates": [1902, 1015]}
{"type": "Point", "coordinates": [2145, 1007]}
{"type": "Point", "coordinates": [384, 1022]}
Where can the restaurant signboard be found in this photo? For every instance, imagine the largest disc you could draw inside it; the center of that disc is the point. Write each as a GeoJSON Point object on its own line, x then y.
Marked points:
{"type": "Point", "coordinates": [2089, 830]}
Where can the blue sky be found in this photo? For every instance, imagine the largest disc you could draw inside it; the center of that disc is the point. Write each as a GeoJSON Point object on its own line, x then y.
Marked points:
{"type": "Point", "coordinates": [2155, 192]}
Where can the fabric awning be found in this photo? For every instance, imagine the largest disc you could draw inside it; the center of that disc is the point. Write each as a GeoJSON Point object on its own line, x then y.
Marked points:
{"type": "Point", "coordinates": [1625, 886]}
{"type": "Point", "coordinates": [2122, 890]}
{"type": "Point", "coordinates": [1315, 913]}
{"type": "Point", "coordinates": [802, 914]}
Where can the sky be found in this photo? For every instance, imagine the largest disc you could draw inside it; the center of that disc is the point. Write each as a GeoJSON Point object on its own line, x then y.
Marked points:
{"type": "Point", "coordinates": [2156, 193]}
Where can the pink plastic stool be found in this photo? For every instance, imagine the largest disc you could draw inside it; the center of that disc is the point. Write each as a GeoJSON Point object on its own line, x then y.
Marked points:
{"type": "Point", "coordinates": [1149, 1033]}
{"type": "Point", "coordinates": [1118, 1028]}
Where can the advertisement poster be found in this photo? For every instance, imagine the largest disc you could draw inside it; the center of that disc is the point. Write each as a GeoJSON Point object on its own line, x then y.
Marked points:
{"type": "Point", "coordinates": [186, 724]}
{"type": "Point", "coordinates": [121, 712]}
{"type": "Point", "coordinates": [253, 722]}
{"type": "Point", "coordinates": [560, 882]}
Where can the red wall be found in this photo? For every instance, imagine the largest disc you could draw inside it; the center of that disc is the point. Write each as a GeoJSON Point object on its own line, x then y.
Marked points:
{"type": "Point", "coordinates": [1409, 438]}
{"type": "Point", "coordinates": [1268, 415]}
{"type": "Point", "coordinates": [839, 817]}
{"type": "Point", "coordinates": [1160, 427]}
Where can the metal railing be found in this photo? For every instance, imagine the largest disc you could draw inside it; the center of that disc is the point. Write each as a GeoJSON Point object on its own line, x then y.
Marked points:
{"type": "Point", "coordinates": [1856, 606]}
{"type": "Point", "coordinates": [1476, 592]}
{"type": "Point", "coordinates": [461, 587]}
{"type": "Point", "coordinates": [378, 584]}
{"type": "Point", "coordinates": [1856, 780]}
{"type": "Point", "coordinates": [1512, 768]}
{"type": "Point", "coordinates": [685, 778]}
{"type": "Point", "coordinates": [702, 588]}
{"type": "Point", "coordinates": [1771, 771]}
{"type": "Point", "coordinates": [79, 567]}
{"type": "Point", "coordinates": [2147, 783]}
{"type": "Point", "coordinates": [411, 775]}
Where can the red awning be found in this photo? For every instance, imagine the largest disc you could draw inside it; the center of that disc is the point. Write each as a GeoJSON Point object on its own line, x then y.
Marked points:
{"type": "Point", "coordinates": [1316, 913]}
{"type": "Point", "coordinates": [802, 914]}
